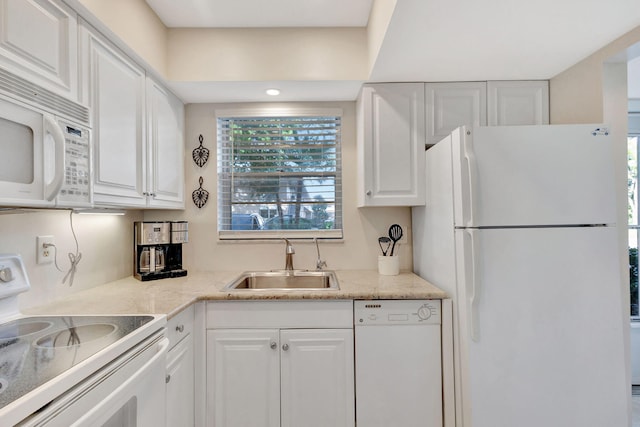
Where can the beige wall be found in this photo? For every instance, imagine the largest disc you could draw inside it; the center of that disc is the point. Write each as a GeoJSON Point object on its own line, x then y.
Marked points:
{"type": "Point", "coordinates": [362, 227]}
{"type": "Point", "coordinates": [104, 241]}
{"type": "Point", "coordinates": [576, 94]}
{"type": "Point", "coordinates": [135, 24]}
{"type": "Point", "coordinates": [260, 54]}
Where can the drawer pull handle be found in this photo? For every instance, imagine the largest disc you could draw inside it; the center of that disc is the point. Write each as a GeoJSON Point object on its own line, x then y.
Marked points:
{"type": "Point", "coordinates": [180, 328]}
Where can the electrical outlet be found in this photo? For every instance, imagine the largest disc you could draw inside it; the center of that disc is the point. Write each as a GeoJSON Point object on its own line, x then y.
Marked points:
{"type": "Point", "coordinates": [44, 253]}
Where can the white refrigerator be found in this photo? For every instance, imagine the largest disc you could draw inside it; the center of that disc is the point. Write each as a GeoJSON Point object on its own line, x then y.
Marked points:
{"type": "Point", "coordinates": [519, 229]}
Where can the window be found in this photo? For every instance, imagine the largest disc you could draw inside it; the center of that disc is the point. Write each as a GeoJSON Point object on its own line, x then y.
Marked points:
{"type": "Point", "coordinates": [634, 226]}
{"type": "Point", "coordinates": [279, 175]}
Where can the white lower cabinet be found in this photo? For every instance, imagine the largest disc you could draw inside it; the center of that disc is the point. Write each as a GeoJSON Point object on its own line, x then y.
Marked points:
{"type": "Point", "coordinates": [243, 378]}
{"type": "Point", "coordinates": [263, 374]}
{"type": "Point", "coordinates": [180, 374]}
{"type": "Point", "coordinates": [179, 378]}
{"type": "Point", "coordinates": [316, 377]}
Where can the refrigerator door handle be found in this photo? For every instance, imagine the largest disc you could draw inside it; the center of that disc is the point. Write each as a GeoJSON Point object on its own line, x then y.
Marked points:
{"type": "Point", "coordinates": [473, 289]}
{"type": "Point", "coordinates": [470, 159]}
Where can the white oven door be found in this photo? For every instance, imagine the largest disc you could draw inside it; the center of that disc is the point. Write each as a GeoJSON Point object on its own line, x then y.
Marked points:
{"type": "Point", "coordinates": [32, 161]}
{"type": "Point", "coordinates": [129, 392]}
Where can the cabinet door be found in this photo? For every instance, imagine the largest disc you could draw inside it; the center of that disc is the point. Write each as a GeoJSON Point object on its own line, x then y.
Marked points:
{"type": "Point", "coordinates": [243, 378]}
{"type": "Point", "coordinates": [180, 384]}
{"type": "Point", "coordinates": [165, 174]}
{"type": "Point", "coordinates": [114, 87]}
{"type": "Point", "coordinates": [38, 41]}
{"type": "Point", "coordinates": [391, 145]}
{"type": "Point", "coordinates": [450, 105]}
{"type": "Point", "coordinates": [317, 377]}
{"type": "Point", "coordinates": [518, 103]}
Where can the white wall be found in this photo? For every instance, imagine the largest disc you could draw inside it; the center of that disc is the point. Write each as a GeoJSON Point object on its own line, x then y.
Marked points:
{"type": "Point", "coordinates": [104, 241]}
{"type": "Point", "coordinates": [362, 227]}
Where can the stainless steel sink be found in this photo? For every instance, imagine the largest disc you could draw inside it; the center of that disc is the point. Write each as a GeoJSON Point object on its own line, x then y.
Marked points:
{"type": "Point", "coordinates": [284, 280]}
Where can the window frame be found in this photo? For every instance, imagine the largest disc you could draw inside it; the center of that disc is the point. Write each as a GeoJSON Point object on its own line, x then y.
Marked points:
{"type": "Point", "coordinates": [336, 233]}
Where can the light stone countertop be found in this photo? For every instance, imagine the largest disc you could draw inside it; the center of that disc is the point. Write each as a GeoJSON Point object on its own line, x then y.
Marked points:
{"type": "Point", "coordinates": [170, 296]}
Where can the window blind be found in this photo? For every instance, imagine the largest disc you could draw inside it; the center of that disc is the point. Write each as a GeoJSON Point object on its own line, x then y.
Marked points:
{"type": "Point", "coordinates": [279, 176]}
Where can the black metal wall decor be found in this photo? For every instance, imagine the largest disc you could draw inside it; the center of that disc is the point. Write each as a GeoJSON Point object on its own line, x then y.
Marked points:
{"type": "Point", "coordinates": [200, 195]}
{"type": "Point", "coordinates": [200, 153]}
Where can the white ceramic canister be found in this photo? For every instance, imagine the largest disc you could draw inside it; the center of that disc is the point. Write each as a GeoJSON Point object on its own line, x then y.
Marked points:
{"type": "Point", "coordinates": [388, 265]}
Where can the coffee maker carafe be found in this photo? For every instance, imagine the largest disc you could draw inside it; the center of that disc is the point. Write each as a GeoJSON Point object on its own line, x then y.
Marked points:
{"type": "Point", "coordinates": [158, 249]}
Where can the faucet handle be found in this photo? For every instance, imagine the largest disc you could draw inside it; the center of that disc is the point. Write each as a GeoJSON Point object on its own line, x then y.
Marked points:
{"type": "Point", "coordinates": [289, 248]}
{"type": "Point", "coordinates": [320, 263]}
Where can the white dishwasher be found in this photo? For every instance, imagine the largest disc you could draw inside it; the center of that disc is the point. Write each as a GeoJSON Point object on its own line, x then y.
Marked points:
{"type": "Point", "coordinates": [398, 363]}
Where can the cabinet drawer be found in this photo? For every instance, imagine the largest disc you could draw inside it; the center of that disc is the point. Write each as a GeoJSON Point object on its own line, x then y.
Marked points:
{"type": "Point", "coordinates": [180, 326]}
{"type": "Point", "coordinates": [280, 314]}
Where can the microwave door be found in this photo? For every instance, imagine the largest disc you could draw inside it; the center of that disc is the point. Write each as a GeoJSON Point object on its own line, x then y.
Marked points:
{"type": "Point", "coordinates": [32, 165]}
{"type": "Point", "coordinates": [22, 162]}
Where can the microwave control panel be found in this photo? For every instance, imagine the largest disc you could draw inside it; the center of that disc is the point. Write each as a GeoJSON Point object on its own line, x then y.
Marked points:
{"type": "Point", "coordinates": [77, 180]}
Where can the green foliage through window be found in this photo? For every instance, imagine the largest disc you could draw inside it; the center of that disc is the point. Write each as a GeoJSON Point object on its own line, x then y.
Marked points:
{"type": "Point", "coordinates": [284, 170]}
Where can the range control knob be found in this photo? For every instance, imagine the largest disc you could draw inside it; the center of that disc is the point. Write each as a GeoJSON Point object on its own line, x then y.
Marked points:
{"type": "Point", "coordinates": [424, 312]}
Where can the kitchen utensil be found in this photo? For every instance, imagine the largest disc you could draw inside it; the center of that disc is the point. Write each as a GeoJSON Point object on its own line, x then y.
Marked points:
{"type": "Point", "coordinates": [200, 195]}
{"type": "Point", "coordinates": [200, 154]}
{"type": "Point", "coordinates": [395, 234]}
{"type": "Point", "coordinates": [386, 242]}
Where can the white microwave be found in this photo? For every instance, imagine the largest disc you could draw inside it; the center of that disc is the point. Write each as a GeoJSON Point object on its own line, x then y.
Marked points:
{"type": "Point", "coordinates": [45, 147]}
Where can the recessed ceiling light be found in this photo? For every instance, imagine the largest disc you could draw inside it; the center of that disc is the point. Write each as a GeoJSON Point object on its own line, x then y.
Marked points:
{"type": "Point", "coordinates": [273, 92]}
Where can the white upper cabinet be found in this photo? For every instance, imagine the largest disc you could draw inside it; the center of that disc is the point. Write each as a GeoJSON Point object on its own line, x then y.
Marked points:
{"type": "Point", "coordinates": [518, 102]}
{"type": "Point", "coordinates": [391, 139]}
{"type": "Point", "coordinates": [38, 41]}
{"type": "Point", "coordinates": [165, 135]}
{"type": "Point", "coordinates": [450, 105]}
{"type": "Point", "coordinates": [114, 87]}
{"type": "Point", "coordinates": [396, 120]}
{"type": "Point", "coordinates": [138, 130]}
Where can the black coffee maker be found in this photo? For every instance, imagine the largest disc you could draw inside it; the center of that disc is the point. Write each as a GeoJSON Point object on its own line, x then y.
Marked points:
{"type": "Point", "coordinates": [158, 249]}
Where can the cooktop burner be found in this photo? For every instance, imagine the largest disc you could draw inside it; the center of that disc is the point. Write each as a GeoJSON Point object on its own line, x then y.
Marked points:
{"type": "Point", "coordinates": [34, 350]}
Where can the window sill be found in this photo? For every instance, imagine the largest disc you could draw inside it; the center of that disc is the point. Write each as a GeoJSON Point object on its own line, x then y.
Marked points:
{"type": "Point", "coordinates": [271, 235]}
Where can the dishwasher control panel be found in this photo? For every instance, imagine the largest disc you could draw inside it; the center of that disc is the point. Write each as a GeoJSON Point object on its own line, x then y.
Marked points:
{"type": "Point", "coordinates": [396, 312]}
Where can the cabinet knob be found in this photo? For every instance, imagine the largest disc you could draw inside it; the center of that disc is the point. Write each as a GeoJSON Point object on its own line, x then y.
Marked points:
{"type": "Point", "coordinates": [368, 192]}
{"type": "Point", "coordinates": [285, 347]}
{"type": "Point", "coordinates": [167, 378]}
{"type": "Point", "coordinates": [273, 345]}
{"type": "Point", "coordinates": [180, 328]}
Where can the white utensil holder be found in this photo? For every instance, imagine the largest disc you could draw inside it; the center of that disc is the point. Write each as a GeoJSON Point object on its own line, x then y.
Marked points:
{"type": "Point", "coordinates": [388, 265]}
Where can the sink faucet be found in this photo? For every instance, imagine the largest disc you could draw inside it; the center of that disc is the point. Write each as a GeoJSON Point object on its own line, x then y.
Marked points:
{"type": "Point", "coordinates": [289, 251]}
{"type": "Point", "coordinates": [319, 262]}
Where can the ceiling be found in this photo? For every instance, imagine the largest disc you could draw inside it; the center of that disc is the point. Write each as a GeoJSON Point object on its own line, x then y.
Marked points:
{"type": "Point", "coordinates": [426, 40]}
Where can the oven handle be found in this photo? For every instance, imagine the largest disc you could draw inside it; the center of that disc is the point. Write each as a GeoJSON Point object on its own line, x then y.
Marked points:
{"type": "Point", "coordinates": [51, 127]}
{"type": "Point", "coordinates": [121, 392]}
